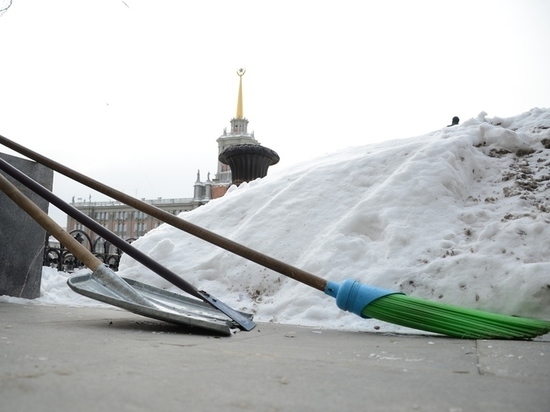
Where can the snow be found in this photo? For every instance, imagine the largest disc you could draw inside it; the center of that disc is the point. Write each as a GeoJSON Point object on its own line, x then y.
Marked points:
{"type": "Point", "coordinates": [460, 215]}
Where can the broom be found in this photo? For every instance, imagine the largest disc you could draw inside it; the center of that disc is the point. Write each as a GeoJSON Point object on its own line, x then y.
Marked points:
{"type": "Point", "coordinates": [363, 300]}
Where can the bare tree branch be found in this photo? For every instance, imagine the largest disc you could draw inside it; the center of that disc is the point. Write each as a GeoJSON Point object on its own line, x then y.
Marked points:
{"type": "Point", "coordinates": [4, 6]}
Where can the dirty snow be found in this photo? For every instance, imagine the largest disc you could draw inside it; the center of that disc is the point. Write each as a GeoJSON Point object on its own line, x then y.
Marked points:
{"type": "Point", "coordinates": [460, 215]}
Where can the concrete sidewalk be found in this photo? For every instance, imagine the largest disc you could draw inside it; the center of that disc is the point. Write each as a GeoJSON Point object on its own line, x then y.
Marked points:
{"type": "Point", "coordinates": [67, 359]}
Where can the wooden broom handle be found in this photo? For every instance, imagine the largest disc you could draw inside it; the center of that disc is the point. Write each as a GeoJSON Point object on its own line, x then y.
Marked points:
{"type": "Point", "coordinates": [206, 235]}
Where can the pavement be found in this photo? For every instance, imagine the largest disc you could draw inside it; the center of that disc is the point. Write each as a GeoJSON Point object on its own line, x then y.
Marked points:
{"type": "Point", "coordinates": [60, 358]}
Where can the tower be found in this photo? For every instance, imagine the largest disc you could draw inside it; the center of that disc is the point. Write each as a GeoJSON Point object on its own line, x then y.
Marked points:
{"type": "Point", "coordinates": [237, 135]}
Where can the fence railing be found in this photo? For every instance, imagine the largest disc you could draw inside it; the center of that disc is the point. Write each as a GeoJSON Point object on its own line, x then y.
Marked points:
{"type": "Point", "coordinates": [61, 258]}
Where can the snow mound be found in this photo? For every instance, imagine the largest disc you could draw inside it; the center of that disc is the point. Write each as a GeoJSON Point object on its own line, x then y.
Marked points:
{"type": "Point", "coordinates": [460, 215]}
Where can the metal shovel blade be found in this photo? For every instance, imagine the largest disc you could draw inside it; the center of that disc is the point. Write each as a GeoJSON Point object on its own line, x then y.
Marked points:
{"type": "Point", "coordinates": [153, 302]}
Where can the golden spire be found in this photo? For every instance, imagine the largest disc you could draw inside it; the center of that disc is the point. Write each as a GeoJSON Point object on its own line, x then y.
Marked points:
{"type": "Point", "coordinates": [240, 73]}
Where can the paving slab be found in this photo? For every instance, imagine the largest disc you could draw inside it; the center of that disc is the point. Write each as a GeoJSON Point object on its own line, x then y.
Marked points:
{"type": "Point", "coordinates": [59, 358]}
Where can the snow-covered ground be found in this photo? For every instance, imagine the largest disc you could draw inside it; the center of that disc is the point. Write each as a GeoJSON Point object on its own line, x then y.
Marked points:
{"type": "Point", "coordinates": [460, 215]}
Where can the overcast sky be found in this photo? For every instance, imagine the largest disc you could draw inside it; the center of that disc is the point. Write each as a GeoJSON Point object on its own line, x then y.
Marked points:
{"type": "Point", "coordinates": [135, 93]}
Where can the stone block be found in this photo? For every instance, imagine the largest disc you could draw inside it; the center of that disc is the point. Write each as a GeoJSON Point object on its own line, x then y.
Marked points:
{"type": "Point", "coordinates": [22, 240]}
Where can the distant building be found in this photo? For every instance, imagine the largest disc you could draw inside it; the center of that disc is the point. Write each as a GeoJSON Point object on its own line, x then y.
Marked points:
{"type": "Point", "coordinates": [238, 134]}
{"type": "Point", "coordinates": [125, 221]}
{"type": "Point", "coordinates": [129, 224]}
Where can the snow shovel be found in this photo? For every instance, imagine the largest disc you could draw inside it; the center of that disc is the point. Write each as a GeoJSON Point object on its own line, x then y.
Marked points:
{"type": "Point", "coordinates": [104, 285]}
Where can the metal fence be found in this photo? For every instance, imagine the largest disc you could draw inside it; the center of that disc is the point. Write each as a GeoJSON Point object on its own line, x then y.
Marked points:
{"type": "Point", "coordinates": [61, 258]}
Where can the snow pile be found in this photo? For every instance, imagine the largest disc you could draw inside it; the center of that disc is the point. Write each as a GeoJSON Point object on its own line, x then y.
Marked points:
{"type": "Point", "coordinates": [54, 291]}
{"type": "Point", "coordinates": [460, 215]}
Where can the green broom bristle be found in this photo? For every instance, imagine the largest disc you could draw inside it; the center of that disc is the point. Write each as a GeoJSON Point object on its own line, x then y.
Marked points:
{"type": "Point", "coordinates": [452, 320]}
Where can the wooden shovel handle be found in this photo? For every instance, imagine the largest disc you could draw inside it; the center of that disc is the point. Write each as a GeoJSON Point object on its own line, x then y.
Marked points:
{"type": "Point", "coordinates": [80, 252]}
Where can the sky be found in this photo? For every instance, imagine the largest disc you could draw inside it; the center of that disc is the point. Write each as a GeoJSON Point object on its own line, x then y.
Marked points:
{"type": "Point", "coordinates": [134, 94]}
{"type": "Point", "coordinates": [459, 216]}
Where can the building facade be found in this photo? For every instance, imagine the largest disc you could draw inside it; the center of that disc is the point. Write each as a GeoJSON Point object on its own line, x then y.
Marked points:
{"type": "Point", "coordinates": [129, 224]}
{"type": "Point", "coordinates": [124, 221]}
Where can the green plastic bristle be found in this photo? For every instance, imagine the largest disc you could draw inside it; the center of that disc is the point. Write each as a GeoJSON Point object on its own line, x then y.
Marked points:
{"type": "Point", "coordinates": [452, 320]}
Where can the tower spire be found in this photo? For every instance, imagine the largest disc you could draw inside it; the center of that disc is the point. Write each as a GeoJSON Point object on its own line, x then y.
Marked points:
{"type": "Point", "coordinates": [240, 73]}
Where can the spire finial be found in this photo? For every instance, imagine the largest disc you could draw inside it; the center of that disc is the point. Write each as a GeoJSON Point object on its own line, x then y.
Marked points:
{"type": "Point", "coordinates": [240, 73]}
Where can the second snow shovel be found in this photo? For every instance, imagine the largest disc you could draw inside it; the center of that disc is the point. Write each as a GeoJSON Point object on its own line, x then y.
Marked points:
{"type": "Point", "coordinates": [104, 285]}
